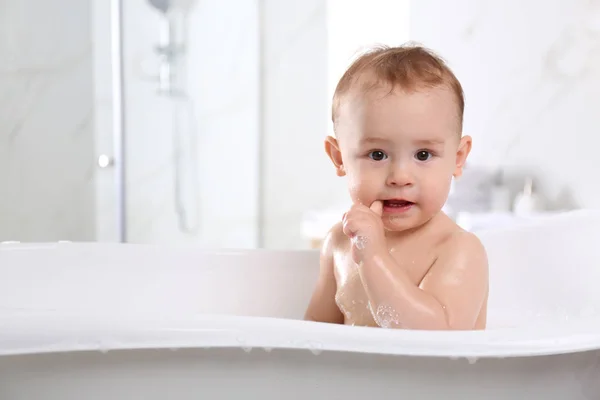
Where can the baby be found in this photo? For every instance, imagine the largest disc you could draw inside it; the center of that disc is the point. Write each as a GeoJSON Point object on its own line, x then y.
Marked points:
{"type": "Point", "coordinates": [395, 260]}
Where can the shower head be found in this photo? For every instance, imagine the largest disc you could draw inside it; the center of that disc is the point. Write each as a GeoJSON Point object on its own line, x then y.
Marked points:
{"type": "Point", "coordinates": [161, 5]}
{"type": "Point", "coordinates": [165, 6]}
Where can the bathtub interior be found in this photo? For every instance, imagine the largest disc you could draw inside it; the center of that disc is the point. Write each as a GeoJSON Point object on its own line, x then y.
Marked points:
{"type": "Point", "coordinates": [545, 270]}
{"type": "Point", "coordinates": [131, 279]}
{"type": "Point", "coordinates": [542, 273]}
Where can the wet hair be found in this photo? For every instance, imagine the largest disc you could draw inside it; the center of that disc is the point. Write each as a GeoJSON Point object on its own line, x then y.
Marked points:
{"type": "Point", "coordinates": [409, 67]}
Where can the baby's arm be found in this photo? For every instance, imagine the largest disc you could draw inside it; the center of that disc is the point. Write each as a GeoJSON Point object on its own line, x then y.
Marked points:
{"type": "Point", "coordinates": [459, 280]}
{"type": "Point", "coordinates": [450, 296]}
{"type": "Point", "coordinates": [322, 306]}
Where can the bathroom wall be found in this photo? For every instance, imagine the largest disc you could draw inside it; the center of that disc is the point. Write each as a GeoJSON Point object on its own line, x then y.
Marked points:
{"type": "Point", "coordinates": [46, 121]}
{"type": "Point", "coordinates": [297, 175]}
{"type": "Point", "coordinates": [305, 47]}
{"type": "Point", "coordinates": [308, 45]}
{"type": "Point", "coordinates": [233, 108]}
{"type": "Point", "coordinates": [531, 73]}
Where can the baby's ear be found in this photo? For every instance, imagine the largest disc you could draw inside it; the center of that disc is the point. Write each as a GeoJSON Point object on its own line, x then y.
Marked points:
{"type": "Point", "coordinates": [464, 148]}
{"type": "Point", "coordinates": [333, 151]}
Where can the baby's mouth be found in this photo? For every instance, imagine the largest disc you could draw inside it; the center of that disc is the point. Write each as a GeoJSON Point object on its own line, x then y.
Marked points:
{"type": "Point", "coordinates": [397, 203]}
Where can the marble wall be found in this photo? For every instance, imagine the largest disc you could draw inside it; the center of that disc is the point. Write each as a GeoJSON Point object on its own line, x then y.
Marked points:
{"type": "Point", "coordinates": [46, 121]}
{"type": "Point", "coordinates": [297, 174]}
{"type": "Point", "coordinates": [530, 69]}
{"type": "Point", "coordinates": [531, 73]}
{"type": "Point", "coordinates": [57, 92]}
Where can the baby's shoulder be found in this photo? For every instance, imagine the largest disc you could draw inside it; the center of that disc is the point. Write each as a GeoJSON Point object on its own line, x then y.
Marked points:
{"type": "Point", "coordinates": [335, 239]}
{"type": "Point", "coordinates": [463, 247]}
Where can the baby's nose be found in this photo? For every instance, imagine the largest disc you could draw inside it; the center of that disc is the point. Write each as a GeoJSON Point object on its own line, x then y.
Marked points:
{"type": "Point", "coordinates": [400, 176]}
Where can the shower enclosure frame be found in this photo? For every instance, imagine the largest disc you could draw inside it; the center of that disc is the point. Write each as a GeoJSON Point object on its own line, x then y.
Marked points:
{"type": "Point", "coordinates": [118, 112]}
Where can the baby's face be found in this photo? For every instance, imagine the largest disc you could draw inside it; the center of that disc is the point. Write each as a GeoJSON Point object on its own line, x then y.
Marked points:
{"type": "Point", "coordinates": [403, 149]}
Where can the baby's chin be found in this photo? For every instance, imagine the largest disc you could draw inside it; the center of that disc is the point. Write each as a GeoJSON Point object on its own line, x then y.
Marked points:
{"type": "Point", "coordinates": [395, 223]}
{"type": "Point", "coordinates": [401, 223]}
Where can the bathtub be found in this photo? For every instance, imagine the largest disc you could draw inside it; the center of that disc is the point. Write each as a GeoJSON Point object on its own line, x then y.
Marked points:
{"type": "Point", "coordinates": [109, 321]}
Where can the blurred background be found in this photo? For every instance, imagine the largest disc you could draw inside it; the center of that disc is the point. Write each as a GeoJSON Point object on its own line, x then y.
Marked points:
{"type": "Point", "coordinates": [202, 122]}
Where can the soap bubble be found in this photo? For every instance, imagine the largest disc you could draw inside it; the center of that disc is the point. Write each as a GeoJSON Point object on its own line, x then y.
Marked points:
{"type": "Point", "coordinates": [360, 242]}
{"type": "Point", "coordinates": [386, 316]}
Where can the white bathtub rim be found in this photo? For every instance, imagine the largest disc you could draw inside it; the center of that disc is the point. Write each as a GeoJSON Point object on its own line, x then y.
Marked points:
{"type": "Point", "coordinates": [52, 334]}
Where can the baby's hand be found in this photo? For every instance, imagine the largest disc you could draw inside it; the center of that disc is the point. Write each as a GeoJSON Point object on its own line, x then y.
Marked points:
{"type": "Point", "coordinates": [364, 226]}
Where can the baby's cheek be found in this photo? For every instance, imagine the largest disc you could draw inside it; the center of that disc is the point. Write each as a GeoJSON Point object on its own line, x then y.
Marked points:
{"type": "Point", "coordinates": [357, 188]}
{"type": "Point", "coordinates": [437, 194]}
{"type": "Point", "coordinates": [354, 188]}
{"type": "Point", "coordinates": [364, 191]}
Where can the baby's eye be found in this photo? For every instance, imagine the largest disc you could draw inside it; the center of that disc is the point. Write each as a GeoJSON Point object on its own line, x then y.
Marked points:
{"type": "Point", "coordinates": [423, 155]}
{"type": "Point", "coordinates": [377, 155]}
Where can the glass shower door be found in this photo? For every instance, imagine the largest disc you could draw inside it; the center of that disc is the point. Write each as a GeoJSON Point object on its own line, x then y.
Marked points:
{"type": "Point", "coordinates": [190, 122]}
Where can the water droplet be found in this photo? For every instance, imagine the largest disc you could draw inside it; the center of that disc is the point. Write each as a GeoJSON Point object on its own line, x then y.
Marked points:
{"type": "Point", "coordinates": [102, 348]}
{"type": "Point", "coordinates": [393, 218]}
{"type": "Point", "coordinates": [315, 347]}
{"type": "Point", "coordinates": [242, 343]}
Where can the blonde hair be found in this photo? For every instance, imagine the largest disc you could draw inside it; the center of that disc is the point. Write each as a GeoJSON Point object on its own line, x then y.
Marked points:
{"type": "Point", "coordinates": [409, 67]}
